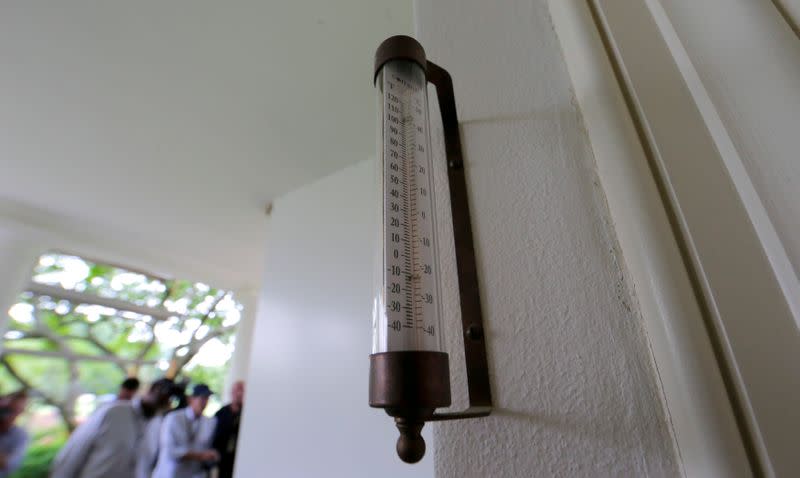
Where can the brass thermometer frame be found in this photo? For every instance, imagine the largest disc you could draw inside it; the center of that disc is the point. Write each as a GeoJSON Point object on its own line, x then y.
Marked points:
{"type": "Point", "coordinates": [411, 385]}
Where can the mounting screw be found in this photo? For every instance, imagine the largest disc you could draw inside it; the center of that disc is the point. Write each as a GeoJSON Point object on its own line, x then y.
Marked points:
{"type": "Point", "coordinates": [474, 332]}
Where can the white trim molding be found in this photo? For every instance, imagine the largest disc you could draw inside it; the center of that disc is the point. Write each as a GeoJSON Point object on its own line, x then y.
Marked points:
{"type": "Point", "coordinates": [707, 438]}
{"type": "Point", "coordinates": [716, 286]}
{"type": "Point", "coordinates": [751, 322]}
{"type": "Point", "coordinates": [745, 308]}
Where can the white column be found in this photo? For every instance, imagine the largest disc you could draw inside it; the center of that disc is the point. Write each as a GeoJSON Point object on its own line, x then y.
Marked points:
{"type": "Point", "coordinates": [240, 360]}
{"type": "Point", "coordinates": [18, 253]}
{"type": "Point", "coordinates": [309, 363]}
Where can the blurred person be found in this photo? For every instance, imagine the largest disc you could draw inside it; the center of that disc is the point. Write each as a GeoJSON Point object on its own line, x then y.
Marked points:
{"type": "Point", "coordinates": [226, 433]}
{"type": "Point", "coordinates": [13, 439]}
{"type": "Point", "coordinates": [148, 450]}
{"type": "Point", "coordinates": [107, 444]}
{"type": "Point", "coordinates": [184, 449]}
{"type": "Point", "coordinates": [180, 394]}
{"type": "Point", "coordinates": [128, 389]}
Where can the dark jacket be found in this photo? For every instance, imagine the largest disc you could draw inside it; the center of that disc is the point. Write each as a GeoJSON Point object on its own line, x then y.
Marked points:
{"type": "Point", "coordinates": [226, 436]}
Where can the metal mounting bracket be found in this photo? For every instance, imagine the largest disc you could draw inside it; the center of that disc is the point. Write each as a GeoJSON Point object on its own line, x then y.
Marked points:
{"type": "Point", "coordinates": [479, 390]}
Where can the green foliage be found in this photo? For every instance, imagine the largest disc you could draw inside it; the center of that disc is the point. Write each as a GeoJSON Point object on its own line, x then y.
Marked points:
{"type": "Point", "coordinates": [7, 383]}
{"type": "Point", "coordinates": [37, 461]}
{"type": "Point", "coordinates": [100, 377]}
{"type": "Point", "coordinates": [70, 330]}
{"type": "Point", "coordinates": [41, 453]}
{"type": "Point", "coordinates": [44, 373]}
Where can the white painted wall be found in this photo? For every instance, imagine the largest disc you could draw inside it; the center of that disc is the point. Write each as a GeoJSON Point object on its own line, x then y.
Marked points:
{"type": "Point", "coordinates": [240, 359]}
{"type": "Point", "coordinates": [307, 413]}
{"type": "Point", "coordinates": [169, 126]}
{"type": "Point", "coordinates": [574, 384]}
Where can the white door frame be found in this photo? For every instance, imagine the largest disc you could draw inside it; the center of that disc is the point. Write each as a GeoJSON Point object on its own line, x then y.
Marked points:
{"type": "Point", "coordinates": [708, 269]}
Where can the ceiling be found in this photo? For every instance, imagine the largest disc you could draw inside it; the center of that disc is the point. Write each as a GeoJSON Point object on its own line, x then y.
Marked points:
{"type": "Point", "coordinates": [164, 129]}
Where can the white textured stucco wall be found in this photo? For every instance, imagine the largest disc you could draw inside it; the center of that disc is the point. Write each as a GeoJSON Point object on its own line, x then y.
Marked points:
{"type": "Point", "coordinates": [574, 384]}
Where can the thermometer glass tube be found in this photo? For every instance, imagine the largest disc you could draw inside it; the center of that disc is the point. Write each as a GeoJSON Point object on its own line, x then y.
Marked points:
{"type": "Point", "coordinates": [407, 309]}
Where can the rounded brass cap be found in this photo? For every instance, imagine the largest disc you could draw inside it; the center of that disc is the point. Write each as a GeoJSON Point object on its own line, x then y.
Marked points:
{"type": "Point", "coordinates": [410, 445]}
{"type": "Point", "coordinates": [399, 47]}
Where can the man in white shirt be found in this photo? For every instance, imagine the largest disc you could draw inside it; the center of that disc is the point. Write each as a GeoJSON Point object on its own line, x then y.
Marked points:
{"type": "Point", "coordinates": [107, 444]}
{"type": "Point", "coordinates": [148, 448]}
{"type": "Point", "coordinates": [184, 449]}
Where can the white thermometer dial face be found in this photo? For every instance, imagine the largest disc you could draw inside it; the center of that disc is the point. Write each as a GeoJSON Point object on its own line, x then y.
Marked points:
{"type": "Point", "coordinates": [411, 295]}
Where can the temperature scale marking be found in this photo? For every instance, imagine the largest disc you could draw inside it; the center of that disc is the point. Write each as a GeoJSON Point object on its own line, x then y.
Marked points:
{"type": "Point", "coordinates": [411, 294]}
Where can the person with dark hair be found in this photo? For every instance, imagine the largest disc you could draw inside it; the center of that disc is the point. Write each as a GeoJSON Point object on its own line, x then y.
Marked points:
{"type": "Point", "coordinates": [180, 394]}
{"type": "Point", "coordinates": [151, 442]}
{"type": "Point", "coordinates": [226, 435]}
{"type": "Point", "coordinates": [184, 450]}
{"type": "Point", "coordinates": [128, 389]}
{"type": "Point", "coordinates": [13, 439]}
{"type": "Point", "coordinates": [108, 443]}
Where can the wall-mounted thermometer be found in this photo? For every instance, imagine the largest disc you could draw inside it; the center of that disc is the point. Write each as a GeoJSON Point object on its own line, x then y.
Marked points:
{"type": "Point", "coordinates": [409, 370]}
{"type": "Point", "coordinates": [408, 312]}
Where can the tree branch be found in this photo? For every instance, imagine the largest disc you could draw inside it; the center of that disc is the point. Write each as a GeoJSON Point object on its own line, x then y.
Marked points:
{"type": "Point", "coordinates": [142, 353]}
{"type": "Point", "coordinates": [194, 346]}
{"type": "Point", "coordinates": [62, 407]}
{"type": "Point", "coordinates": [208, 314]}
{"type": "Point", "coordinates": [192, 349]}
{"type": "Point", "coordinates": [92, 339]}
{"type": "Point", "coordinates": [167, 293]}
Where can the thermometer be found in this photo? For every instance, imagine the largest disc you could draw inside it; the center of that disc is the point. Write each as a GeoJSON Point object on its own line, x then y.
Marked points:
{"type": "Point", "coordinates": [407, 307]}
{"type": "Point", "coordinates": [409, 375]}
